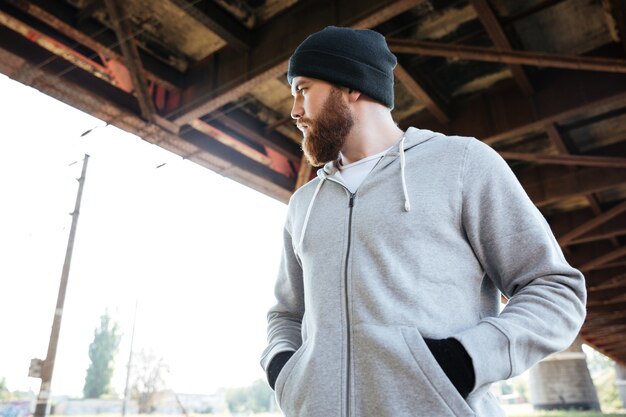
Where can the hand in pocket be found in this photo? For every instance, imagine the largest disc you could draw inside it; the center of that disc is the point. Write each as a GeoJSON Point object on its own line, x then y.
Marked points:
{"type": "Point", "coordinates": [455, 362]}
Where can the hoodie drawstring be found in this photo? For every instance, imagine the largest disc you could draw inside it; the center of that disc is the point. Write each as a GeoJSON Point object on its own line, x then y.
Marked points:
{"type": "Point", "coordinates": [407, 203]}
{"type": "Point", "coordinates": [308, 213]}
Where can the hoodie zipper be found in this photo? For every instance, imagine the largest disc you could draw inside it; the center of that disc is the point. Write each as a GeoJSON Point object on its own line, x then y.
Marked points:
{"type": "Point", "coordinates": [347, 299]}
{"type": "Point", "coordinates": [346, 295]}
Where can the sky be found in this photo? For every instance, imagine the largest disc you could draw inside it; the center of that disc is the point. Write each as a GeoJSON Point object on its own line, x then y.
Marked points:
{"type": "Point", "coordinates": [196, 251]}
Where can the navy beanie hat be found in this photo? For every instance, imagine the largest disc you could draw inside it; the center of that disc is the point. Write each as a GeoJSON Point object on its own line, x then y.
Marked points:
{"type": "Point", "coordinates": [355, 58]}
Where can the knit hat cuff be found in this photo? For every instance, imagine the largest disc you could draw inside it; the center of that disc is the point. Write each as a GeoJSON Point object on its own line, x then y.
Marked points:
{"type": "Point", "coordinates": [349, 72]}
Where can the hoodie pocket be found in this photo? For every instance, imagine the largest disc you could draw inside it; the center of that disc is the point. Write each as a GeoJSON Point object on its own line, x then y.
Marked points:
{"type": "Point", "coordinates": [310, 382]}
{"type": "Point", "coordinates": [285, 373]}
{"type": "Point", "coordinates": [396, 375]}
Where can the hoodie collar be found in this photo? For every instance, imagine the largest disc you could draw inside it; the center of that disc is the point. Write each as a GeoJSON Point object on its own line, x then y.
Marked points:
{"type": "Point", "coordinates": [411, 138]}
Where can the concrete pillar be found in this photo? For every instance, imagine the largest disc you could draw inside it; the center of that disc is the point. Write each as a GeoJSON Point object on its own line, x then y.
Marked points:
{"type": "Point", "coordinates": [562, 382]}
{"type": "Point", "coordinates": [620, 381]}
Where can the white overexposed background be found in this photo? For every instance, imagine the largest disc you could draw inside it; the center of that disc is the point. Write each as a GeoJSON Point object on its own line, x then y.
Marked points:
{"type": "Point", "coordinates": [197, 251]}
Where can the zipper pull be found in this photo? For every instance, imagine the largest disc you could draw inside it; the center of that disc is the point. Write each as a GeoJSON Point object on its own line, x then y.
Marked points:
{"type": "Point", "coordinates": [351, 204]}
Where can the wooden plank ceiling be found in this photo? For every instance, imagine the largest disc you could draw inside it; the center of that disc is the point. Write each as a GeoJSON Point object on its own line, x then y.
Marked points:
{"type": "Point", "coordinates": [542, 81]}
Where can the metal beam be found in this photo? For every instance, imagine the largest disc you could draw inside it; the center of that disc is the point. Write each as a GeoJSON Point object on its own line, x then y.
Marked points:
{"type": "Point", "coordinates": [614, 346]}
{"type": "Point", "coordinates": [598, 332]}
{"type": "Point", "coordinates": [121, 24]}
{"type": "Point", "coordinates": [498, 36]}
{"type": "Point", "coordinates": [583, 254]}
{"type": "Point", "coordinates": [231, 142]}
{"type": "Point", "coordinates": [601, 279]}
{"type": "Point", "coordinates": [566, 148]}
{"type": "Point", "coordinates": [419, 93]}
{"type": "Point", "coordinates": [502, 56]}
{"type": "Point", "coordinates": [228, 75]}
{"type": "Point", "coordinates": [606, 295]}
{"type": "Point", "coordinates": [523, 14]}
{"type": "Point", "coordinates": [618, 295]}
{"type": "Point", "coordinates": [57, 48]}
{"type": "Point", "coordinates": [251, 128]}
{"type": "Point", "coordinates": [304, 174]}
{"type": "Point", "coordinates": [603, 233]}
{"type": "Point", "coordinates": [616, 318]}
{"type": "Point", "coordinates": [218, 21]}
{"type": "Point", "coordinates": [571, 160]}
{"type": "Point", "coordinates": [237, 160]}
{"type": "Point", "coordinates": [606, 338]}
{"type": "Point", "coordinates": [618, 11]}
{"type": "Point", "coordinates": [592, 224]}
{"type": "Point", "coordinates": [506, 113]}
{"type": "Point", "coordinates": [78, 36]}
{"type": "Point", "coordinates": [88, 10]}
{"type": "Point", "coordinates": [564, 223]}
{"type": "Point", "coordinates": [611, 235]}
{"type": "Point", "coordinates": [564, 185]}
{"type": "Point", "coordinates": [557, 139]}
{"type": "Point", "coordinates": [607, 309]}
{"type": "Point", "coordinates": [600, 260]}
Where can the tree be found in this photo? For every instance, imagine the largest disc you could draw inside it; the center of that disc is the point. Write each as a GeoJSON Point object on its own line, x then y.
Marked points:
{"type": "Point", "coordinates": [148, 376]}
{"type": "Point", "coordinates": [102, 353]}
{"type": "Point", "coordinates": [255, 398]}
{"type": "Point", "coordinates": [5, 394]}
{"type": "Point", "coordinates": [520, 385]}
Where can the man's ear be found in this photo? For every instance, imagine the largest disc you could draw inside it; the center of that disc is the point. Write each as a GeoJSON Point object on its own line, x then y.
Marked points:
{"type": "Point", "coordinates": [353, 95]}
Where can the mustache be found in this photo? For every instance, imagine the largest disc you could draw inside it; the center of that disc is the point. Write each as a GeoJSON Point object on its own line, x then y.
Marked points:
{"type": "Point", "coordinates": [302, 122]}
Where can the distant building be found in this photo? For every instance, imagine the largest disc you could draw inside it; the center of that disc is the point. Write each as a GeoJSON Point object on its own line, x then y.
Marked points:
{"type": "Point", "coordinates": [75, 407]}
{"type": "Point", "coordinates": [192, 403]}
{"type": "Point", "coordinates": [167, 403]}
{"type": "Point", "coordinates": [15, 408]}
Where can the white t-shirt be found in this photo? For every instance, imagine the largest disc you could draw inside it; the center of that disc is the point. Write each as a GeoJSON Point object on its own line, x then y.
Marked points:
{"type": "Point", "coordinates": [352, 175]}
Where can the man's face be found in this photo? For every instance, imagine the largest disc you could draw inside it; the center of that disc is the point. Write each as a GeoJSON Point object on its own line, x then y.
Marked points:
{"type": "Point", "coordinates": [323, 117]}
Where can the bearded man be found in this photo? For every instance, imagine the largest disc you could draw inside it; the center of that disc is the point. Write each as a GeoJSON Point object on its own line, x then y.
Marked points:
{"type": "Point", "coordinates": [396, 255]}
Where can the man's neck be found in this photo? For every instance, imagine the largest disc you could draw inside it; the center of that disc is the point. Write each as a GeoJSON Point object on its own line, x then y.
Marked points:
{"type": "Point", "coordinates": [363, 142]}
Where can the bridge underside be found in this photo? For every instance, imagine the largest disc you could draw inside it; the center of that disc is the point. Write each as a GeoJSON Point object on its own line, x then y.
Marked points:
{"type": "Point", "coordinates": [543, 82]}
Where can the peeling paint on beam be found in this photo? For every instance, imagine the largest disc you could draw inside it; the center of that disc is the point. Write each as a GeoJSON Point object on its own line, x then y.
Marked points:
{"type": "Point", "coordinates": [80, 37]}
{"type": "Point", "coordinates": [57, 48]}
{"type": "Point", "coordinates": [252, 129]}
{"type": "Point", "coordinates": [229, 141]}
{"type": "Point", "coordinates": [121, 24]}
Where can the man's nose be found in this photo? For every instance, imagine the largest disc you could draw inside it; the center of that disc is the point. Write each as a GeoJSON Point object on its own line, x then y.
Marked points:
{"type": "Point", "coordinates": [296, 109]}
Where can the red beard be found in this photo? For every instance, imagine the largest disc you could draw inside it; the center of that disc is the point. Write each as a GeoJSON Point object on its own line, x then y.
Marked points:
{"type": "Point", "coordinates": [326, 135]}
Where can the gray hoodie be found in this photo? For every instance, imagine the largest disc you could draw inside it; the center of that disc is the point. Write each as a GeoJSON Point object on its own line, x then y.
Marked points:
{"type": "Point", "coordinates": [423, 249]}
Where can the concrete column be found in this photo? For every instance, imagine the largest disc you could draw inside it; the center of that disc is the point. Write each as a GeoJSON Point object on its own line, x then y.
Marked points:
{"type": "Point", "coordinates": [562, 382]}
{"type": "Point", "coordinates": [620, 381]}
